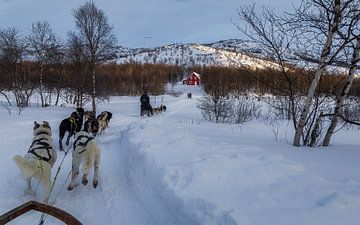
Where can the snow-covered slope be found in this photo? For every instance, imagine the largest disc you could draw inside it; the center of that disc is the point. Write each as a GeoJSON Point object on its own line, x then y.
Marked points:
{"type": "Point", "coordinates": [231, 52]}
{"type": "Point", "coordinates": [226, 53]}
{"type": "Point", "coordinates": [176, 169]}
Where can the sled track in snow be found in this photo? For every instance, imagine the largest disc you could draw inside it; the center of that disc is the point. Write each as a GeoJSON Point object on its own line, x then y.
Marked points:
{"type": "Point", "coordinates": [132, 189]}
{"type": "Point", "coordinates": [140, 184]}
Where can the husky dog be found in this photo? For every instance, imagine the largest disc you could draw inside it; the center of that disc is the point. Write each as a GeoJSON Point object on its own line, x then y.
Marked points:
{"type": "Point", "coordinates": [86, 152]}
{"type": "Point", "coordinates": [72, 125]}
{"type": "Point", "coordinates": [161, 108]}
{"type": "Point", "coordinates": [104, 119]}
{"type": "Point", "coordinates": [91, 124]}
{"type": "Point", "coordinates": [40, 158]}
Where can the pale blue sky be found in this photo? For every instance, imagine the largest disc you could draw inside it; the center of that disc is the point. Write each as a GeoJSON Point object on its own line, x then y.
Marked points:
{"type": "Point", "coordinates": [164, 21]}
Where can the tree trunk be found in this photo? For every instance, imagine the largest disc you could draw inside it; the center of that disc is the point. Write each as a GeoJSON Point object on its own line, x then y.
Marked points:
{"type": "Point", "coordinates": [319, 71]}
{"type": "Point", "coordinates": [316, 131]}
{"type": "Point", "coordinates": [41, 86]}
{"type": "Point", "coordinates": [93, 96]}
{"type": "Point", "coordinates": [340, 101]}
{"type": "Point", "coordinates": [57, 96]}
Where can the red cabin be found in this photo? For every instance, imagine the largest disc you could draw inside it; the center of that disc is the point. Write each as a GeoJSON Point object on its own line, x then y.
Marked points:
{"type": "Point", "coordinates": [192, 79]}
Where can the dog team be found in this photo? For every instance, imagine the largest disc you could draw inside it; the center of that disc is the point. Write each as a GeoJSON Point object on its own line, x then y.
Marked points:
{"type": "Point", "coordinates": [146, 108]}
{"type": "Point", "coordinates": [41, 156]}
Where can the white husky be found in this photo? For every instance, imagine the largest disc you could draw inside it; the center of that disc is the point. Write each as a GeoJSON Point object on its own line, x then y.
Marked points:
{"type": "Point", "coordinates": [39, 160]}
{"type": "Point", "coordinates": [86, 152]}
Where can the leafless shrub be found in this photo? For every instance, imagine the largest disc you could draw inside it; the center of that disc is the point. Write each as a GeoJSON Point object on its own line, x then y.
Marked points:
{"type": "Point", "coordinates": [275, 128]}
{"type": "Point", "coordinates": [216, 108]}
{"type": "Point", "coordinates": [189, 121]}
{"type": "Point", "coordinates": [351, 110]}
{"type": "Point", "coordinates": [246, 110]}
{"type": "Point", "coordinates": [280, 106]}
{"type": "Point", "coordinates": [68, 96]}
{"type": "Point", "coordinates": [175, 93]}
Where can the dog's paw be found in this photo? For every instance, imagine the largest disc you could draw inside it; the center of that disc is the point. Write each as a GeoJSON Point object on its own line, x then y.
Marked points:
{"type": "Point", "coordinates": [95, 183]}
{"type": "Point", "coordinates": [70, 187]}
{"type": "Point", "coordinates": [84, 181]}
{"type": "Point", "coordinates": [30, 192]}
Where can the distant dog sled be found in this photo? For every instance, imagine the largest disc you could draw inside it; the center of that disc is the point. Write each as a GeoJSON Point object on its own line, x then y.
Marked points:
{"type": "Point", "coordinates": [146, 110]}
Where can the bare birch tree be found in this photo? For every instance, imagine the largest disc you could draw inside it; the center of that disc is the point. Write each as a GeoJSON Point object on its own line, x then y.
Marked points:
{"type": "Point", "coordinates": [96, 35]}
{"type": "Point", "coordinates": [272, 33]}
{"type": "Point", "coordinates": [12, 51]}
{"type": "Point", "coordinates": [78, 68]}
{"type": "Point", "coordinates": [42, 43]}
{"type": "Point", "coordinates": [350, 31]}
{"type": "Point", "coordinates": [58, 61]}
{"type": "Point", "coordinates": [345, 90]}
{"type": "Point", "coordinates": [331, 11]}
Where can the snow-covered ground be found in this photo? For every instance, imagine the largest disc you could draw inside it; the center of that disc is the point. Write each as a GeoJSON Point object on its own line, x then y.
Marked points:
{"type": "Point", "coordinates": [177, 169]}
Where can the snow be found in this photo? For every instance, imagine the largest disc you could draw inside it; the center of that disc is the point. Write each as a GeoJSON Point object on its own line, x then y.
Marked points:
{"type": "Point", "coordinates": [223, 53]}
{"type": "Point", "coordinates": [175, 168]}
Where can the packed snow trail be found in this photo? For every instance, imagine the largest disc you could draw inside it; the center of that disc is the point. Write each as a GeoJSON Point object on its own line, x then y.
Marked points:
{"type": "Point", "coordinates": [175, 168]}
{"type": "Point", "coordinates": [140, 183]}
{"type": "Point", "coordinates": [131, 189]}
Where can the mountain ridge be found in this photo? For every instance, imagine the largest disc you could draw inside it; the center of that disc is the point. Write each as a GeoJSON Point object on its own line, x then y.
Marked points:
{"type": "Point", "coordinates": [231, 52]}
{"type": "Point", "coordinates": [225, 53]}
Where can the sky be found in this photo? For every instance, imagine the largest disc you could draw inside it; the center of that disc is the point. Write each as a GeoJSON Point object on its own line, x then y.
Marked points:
{"type": "Point", "coordinates": [140, 23]}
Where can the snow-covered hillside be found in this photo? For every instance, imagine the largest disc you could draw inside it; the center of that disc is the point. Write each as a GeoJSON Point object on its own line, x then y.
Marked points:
{"type": "Point", "coordinates": [231, 52]}
{"type": "Point", "coordinates": [176, 169]}
{"type": "Point", "coordinates": [226, 53]}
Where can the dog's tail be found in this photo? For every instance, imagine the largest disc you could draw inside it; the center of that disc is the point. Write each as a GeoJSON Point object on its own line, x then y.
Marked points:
{"type": "Point", "coordinates": [28, 168]}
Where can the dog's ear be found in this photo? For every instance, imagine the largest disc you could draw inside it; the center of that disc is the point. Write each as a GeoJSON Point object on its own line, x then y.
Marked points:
{"type": "Point", "coordinates": [36, 125]}
{"type": "Point", "coordinates": [46, 124]}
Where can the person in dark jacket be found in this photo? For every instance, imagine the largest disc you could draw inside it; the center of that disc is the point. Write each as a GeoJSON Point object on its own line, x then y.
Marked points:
{"type": "Point", "coordinates": [145, 104]}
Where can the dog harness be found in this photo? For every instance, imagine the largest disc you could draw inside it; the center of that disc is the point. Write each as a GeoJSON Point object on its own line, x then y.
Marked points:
{"type": "Point", "coordinates": [73, 123]}
{"type": "Point", "coordinates": [82, 140]}
{"type": "Point", "coordinates": [43, 132]}
{"type": "Point", "coordinates": [41, 144]}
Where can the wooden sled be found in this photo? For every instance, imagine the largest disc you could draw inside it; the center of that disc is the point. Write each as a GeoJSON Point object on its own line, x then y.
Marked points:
{"type": "Point", "coordinates": [41, 207]}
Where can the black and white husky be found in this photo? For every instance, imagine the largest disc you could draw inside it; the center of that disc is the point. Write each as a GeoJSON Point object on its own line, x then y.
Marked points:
{"type": "Point", "coordinates": [40, 158]}
{"type": "Point", "coordinates": [87, 153]}
{"type": "Point", "coordinates": [161, 108]}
